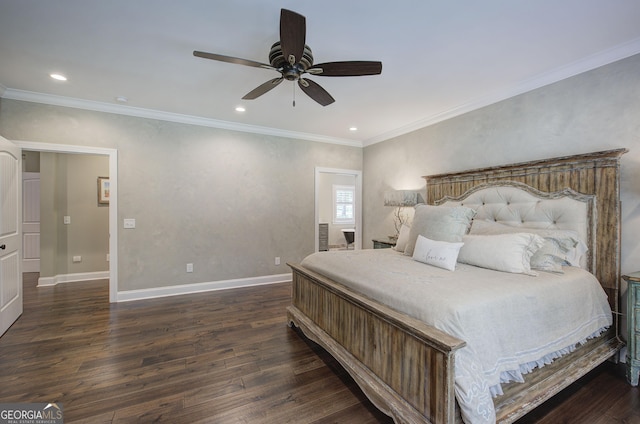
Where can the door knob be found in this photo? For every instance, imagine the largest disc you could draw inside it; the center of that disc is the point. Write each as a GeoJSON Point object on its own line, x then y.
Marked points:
{"type": "Point", "coordinates": [3, 246]}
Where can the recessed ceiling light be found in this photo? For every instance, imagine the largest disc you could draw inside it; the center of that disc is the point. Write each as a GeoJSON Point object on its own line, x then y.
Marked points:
{"type": "Point", "coordinates": [240, 109]}
{"type": "Point", "coordinates": [58, 77]}
{"type": "Point", "coordinates": [353, 128]}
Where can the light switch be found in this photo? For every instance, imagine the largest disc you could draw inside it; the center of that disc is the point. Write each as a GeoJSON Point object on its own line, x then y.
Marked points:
{"type": "Point", "coordinates": [67, 220]}
{"type": "Point", "coordinates": [129, 223]}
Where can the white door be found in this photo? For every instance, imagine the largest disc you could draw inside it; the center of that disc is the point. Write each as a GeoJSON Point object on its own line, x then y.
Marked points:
{"type": "Point", "coordinates": [30, 222]}
{"type": "Point", "coordinates": [10, 239]}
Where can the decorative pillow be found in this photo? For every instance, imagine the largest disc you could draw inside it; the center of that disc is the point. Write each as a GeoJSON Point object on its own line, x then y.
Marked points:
{"type": "Point", "coordinates": [502, 252]}
{"type": "Point", "coordinates": [403, 238]}
{"type": "Point", "coordinates": [442, 254]}
{"type": "Point", "coordinates": [550, 257]}
{"type": "Point", "coordinates": [440, 223]}
{"type": "Point", "coordinates": [562, 247]}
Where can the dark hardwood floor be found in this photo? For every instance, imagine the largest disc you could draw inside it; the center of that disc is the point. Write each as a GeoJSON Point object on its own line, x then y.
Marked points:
{"type": "Point", "coordinates": [217, 357]}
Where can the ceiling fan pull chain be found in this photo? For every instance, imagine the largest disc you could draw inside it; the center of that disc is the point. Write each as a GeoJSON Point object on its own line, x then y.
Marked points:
{"type": "Point", "coordinates": [294, 94]}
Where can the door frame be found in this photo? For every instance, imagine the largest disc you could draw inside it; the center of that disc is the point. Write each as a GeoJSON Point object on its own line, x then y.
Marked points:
{"type": "Point", "coordinates": [113, 196]}
{"type": "Point", "coordinates": [357, 243]}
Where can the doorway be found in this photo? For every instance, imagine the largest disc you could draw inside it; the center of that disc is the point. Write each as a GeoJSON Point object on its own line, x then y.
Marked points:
{"type": "Point", "coordinates": [327, 227]}
{"type": "Point", "coordinates": [112, 154]}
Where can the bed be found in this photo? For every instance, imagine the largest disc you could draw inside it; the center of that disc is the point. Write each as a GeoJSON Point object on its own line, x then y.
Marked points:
{"type": "Point", "coordinates": [407, 366]}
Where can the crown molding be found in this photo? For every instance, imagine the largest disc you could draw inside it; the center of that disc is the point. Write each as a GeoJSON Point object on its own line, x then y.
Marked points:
{"type": "Point", "coordinates": [49, 99]}
{"type": "Point", "coordinates": [588, 63]}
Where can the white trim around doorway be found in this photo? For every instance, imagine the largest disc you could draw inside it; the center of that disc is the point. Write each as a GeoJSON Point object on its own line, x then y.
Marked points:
{"type": "Point", "coordinates": [358, 205]}
{"type": "Point", "coordinates": [113, 197]}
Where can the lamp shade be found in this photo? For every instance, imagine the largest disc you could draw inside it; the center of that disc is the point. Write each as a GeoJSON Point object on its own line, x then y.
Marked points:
{"type": "Point", "coordinates": [401, 198]}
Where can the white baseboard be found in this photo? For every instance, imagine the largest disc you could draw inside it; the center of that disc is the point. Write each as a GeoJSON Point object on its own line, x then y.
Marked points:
{"type": "Point", "coordinates": [72, 278]}
{"type": "Point", "coordinates": [129, 295]}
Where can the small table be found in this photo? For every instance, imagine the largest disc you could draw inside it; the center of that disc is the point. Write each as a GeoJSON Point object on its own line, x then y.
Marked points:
{"type": "Point", "coordinates": [383, 244]}
{"type": "Point", "coordinates": [633, 327]}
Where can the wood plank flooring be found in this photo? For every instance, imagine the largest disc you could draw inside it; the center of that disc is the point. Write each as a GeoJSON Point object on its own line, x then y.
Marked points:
{"type": "Point", "coordinates": [216, 357]}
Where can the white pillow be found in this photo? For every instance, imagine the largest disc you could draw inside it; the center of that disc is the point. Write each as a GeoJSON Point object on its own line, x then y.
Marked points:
{"type": "Point", "coordinates": [502, 252]}
{"type": "Point", "coordinates": [403, 238]}
{"type": "Point", "coordinates": [562, 247]}
{"type": "Point", "coordinates": [442, 254]}
{"type": "Point", "coordinates": [441, 223]}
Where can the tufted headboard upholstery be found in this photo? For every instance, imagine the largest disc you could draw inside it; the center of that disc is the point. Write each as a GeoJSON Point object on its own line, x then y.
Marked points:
{"type": "Point", "coordinates": [518, 205]}
{"type": "Point", "coordinates": [591, 174]}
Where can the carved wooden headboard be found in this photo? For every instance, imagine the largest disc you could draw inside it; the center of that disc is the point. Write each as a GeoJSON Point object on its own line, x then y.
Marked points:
{"type": "Point", "coordinates": [596, 174]}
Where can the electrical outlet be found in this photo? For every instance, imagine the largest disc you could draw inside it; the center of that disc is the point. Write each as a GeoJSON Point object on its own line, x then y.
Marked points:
{"type": "Point", "coordinates": [189, 267]}
{"type": "Point", "coordinates": [129, 223]}
{"type": "Point", "coordinates": [277, 261]}
{"type": "Point", "coordinates": [77, 259]}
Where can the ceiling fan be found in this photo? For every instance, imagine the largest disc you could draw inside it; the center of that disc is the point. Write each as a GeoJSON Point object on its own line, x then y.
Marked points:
{"type": "Point", "coordinates": [292, 58]}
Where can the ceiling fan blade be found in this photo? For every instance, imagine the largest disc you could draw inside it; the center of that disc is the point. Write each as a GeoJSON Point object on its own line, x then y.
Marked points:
{"type": "Point", "coordinates": [230, 59]}
{"type": "Point", "coordinates": [316, 92]}
{"type": "Point", "coordinates": [293, 28]}
{"type": "Point", "coordinates": [346, 69]}
{"type": "Point", "coordinates": [263, 88]}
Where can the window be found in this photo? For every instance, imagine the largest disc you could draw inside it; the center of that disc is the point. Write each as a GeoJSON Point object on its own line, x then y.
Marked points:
{"type": "Point", "coordinates": [344, 204]}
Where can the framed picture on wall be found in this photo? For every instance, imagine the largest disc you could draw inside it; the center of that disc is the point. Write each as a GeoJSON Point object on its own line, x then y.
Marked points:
{"type": "Point", "coordinates": [103, 190]}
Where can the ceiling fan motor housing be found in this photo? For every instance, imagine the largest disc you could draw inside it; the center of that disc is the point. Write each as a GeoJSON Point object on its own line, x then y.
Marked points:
{"type": "Point", "coordinates": [290, 72]}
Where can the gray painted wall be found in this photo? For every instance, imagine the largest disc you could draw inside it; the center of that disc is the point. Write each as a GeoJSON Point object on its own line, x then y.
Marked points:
{"type": "Point", "coordinates": [228, 202]}
{"type": "Point", "coordinates": [593, 111]}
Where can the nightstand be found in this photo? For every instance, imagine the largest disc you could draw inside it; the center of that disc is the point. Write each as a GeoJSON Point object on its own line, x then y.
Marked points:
{"type": "Point", "coordinates": [383, 244]}
{"type": "Point", "coordinates": [633, 327]}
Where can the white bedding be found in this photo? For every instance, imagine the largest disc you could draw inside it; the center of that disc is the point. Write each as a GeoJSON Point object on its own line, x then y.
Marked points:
{"type": "Point", "coordinates": [510, 322]}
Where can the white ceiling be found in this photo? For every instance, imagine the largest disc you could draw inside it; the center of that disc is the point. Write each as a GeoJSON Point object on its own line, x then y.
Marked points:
{"type": "Point", "coordinates": [440, 58]}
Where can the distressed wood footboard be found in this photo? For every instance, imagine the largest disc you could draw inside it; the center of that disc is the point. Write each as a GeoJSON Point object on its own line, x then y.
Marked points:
{"type": "Point", "coordinates": [404, 366]}
{"type": "Point", "coordinates": [543, 383]}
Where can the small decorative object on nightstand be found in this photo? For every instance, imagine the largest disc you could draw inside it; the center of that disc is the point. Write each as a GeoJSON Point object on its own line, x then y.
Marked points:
{"type": "Point", "coordinates": [401, 199]}
{"type": "Point", "coordinates": [383, 244]}
{"type": "Point", "coordinates": [633, 325]}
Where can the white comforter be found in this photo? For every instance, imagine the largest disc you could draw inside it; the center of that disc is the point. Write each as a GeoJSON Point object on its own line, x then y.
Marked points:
{"type": "Point", "coordinates": [511, 322]}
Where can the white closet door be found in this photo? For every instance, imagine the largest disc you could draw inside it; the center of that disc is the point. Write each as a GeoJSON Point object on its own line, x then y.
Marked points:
{"type": "Point", "coordinates": [30, 222]}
